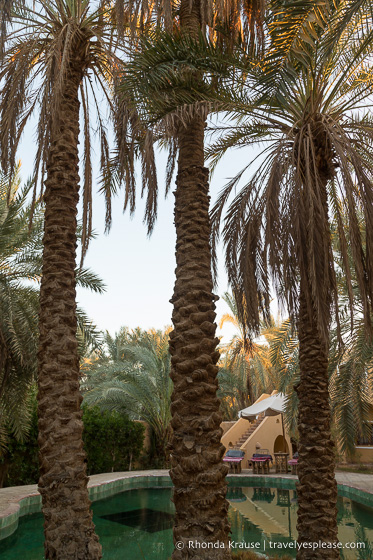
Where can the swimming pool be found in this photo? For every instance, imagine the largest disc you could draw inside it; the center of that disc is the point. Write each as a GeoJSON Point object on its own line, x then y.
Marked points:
{"type": "Point", "coordinates": [137, 523]}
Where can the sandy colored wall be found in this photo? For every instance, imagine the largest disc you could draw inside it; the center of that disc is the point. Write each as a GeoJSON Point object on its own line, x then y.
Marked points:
{"type": "Point", "coordinates": [364, 454]}
{"type": "Point", "coordinates": [227, 426]}
{"type": "Point", "coordinates": [265, 435]}
{"type": "Point", "coordinates": [235, 432]}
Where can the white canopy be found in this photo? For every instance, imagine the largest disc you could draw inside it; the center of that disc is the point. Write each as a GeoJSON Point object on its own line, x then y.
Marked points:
{"type": "Point", "coordinates": [271, 406]}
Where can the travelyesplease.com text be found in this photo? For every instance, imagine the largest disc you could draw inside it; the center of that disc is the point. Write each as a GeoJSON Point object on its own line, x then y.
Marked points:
{"type": "Point", "coordinates": [274, 545]}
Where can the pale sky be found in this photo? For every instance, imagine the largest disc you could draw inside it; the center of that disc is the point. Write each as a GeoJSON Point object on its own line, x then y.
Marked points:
{"type": "Point", "coordinates": [138, 271]}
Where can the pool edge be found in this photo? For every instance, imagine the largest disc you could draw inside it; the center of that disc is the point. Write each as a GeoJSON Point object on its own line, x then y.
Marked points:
{"type": "Point", "coordinates": [105, 485]}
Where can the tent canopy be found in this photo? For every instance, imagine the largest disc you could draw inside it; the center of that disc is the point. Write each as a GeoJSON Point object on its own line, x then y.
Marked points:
{"type": "Point", "coordinates": [271, 407]}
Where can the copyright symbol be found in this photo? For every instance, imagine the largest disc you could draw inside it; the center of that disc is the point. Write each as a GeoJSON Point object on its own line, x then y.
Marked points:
{"type": "Point", "coordinates": [179, 545]}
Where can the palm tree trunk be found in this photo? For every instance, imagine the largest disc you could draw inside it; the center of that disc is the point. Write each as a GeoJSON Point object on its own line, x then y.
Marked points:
{"type": "Point", "coordinates": [197, 470]}
{"type": "Point", "coordinates": [249, 387]}
{"type": "Point", "coordinates": [4, 467]}
{"type": "Point", "coordinates": [69, 530]}
{"type": "Point", "coordinates": [317, 488]}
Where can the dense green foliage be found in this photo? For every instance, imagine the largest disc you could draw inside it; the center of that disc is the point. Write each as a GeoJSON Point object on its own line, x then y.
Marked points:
{"type": "Point", "coordinates": [20, 273]}
{"type": "Point", "coordinates": [19, 462]}
{"type": "Point", "coordinates": [112, 443]}
{"type": "Point", "coordinates": [20, 252]}
{"type": "Point", "coordinates": [132, 374]}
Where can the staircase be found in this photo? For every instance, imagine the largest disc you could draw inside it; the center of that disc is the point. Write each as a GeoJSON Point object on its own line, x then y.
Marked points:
{"type": "Point", "coordinates": [248, 433]}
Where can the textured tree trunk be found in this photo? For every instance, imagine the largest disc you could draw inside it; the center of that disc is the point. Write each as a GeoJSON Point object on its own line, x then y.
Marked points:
{"type": "Point", "coordinates": [69, 530]}
{"type": "Point", "coordinates": [317, 488]}
{"type": "Point", "coordinates": [197, 470]}
{"type": "Point", "coordinates": [4, 467]}
{"type": "Point", "coordinates": [249, 387]}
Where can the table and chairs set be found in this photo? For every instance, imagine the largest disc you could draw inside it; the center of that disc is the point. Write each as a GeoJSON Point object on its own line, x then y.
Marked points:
{"type": "Point", "coordinates": [261, 460]}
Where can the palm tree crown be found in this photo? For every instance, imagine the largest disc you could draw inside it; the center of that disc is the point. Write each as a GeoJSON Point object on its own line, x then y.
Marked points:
{"type": "Point", "coordinates": [317, 139]}
{"type": "Point", "coordinates": [41, 46]}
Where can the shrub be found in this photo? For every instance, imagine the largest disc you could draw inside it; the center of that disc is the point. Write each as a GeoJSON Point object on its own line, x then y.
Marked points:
{"type": "Point", "coordinates": [19, 462]}
{"type": "Point", "coordinates": [112, 441]}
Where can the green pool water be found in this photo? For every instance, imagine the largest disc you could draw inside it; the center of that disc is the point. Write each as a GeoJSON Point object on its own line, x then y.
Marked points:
{"type": "Point", "coordinates": [137, 523]}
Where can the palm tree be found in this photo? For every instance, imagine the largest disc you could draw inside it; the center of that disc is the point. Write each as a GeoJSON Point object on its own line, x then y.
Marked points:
{"type": "Point", "coordinates": [199, 491]}
{"type": "Point", "coordinates": [135, 378]}
{"type": "Point", "coordinates": [232, 392]}
{"type": "Point", "coordinates": [316, 162]}
{"type": "Point", "coordinates": [52, 55]}
{"type": "Point", "coordinates": [243, 353]}
{"type": "Point", "coordinates": [20, 273]}
{"type": "Point", "coordinates": [349, 373]}
{"type": "Point", "coordinates": [350, 364]}
{"type": "Point", "coordinates": [6, 7]}
{"type": "Point", "coordinates": [19, 307]}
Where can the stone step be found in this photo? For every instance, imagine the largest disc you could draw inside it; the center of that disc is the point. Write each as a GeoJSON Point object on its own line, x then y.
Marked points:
{"type": "Point", "coordinates": [247, 434]}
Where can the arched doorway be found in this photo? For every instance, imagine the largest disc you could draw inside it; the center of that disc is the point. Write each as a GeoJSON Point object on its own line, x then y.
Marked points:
{"type": "Point", "coordinates": [280, 444]}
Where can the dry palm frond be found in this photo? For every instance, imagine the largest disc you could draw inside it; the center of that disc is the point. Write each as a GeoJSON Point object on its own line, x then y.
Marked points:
{"type": "Point", "coordinates": [315, 162]}
{"type": "Point", "coordinates": [42, 45]}
{"type": "Point", "coordinates": [161, 76]}
{"type": "Point", "coordinates": [246, 358]}
{"type": "Point", "coordinates": [7, 10]}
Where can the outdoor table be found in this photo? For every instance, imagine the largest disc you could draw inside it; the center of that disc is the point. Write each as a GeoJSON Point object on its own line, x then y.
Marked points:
{"type": "Point", "coordinates": [234, 457]}
{"type": "Point", "coordinates": [260, 463]}
{"type": "Point", "coordinates": [281, 462]}
{"type": "Point", "coordinates": [234, 463]}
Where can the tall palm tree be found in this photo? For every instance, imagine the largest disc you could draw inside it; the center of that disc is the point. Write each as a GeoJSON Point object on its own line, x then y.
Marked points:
{"type": "Point", "coordinates": [135, 378]}
{"type": "Point", "coordinates": [20, 273]}
{"type": "Point", "coordinates": [197, 470]}
{"type": "Point", "coordinates": [19, 307]}
{"type": "Point", "coordinates": [52, 56]}
{"type": "Point", "coordinates": [350, 365]}
{"type": "Point", "coordinates": [349, 372]}
{"type": "Point", "coordinates": [316, 162]}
